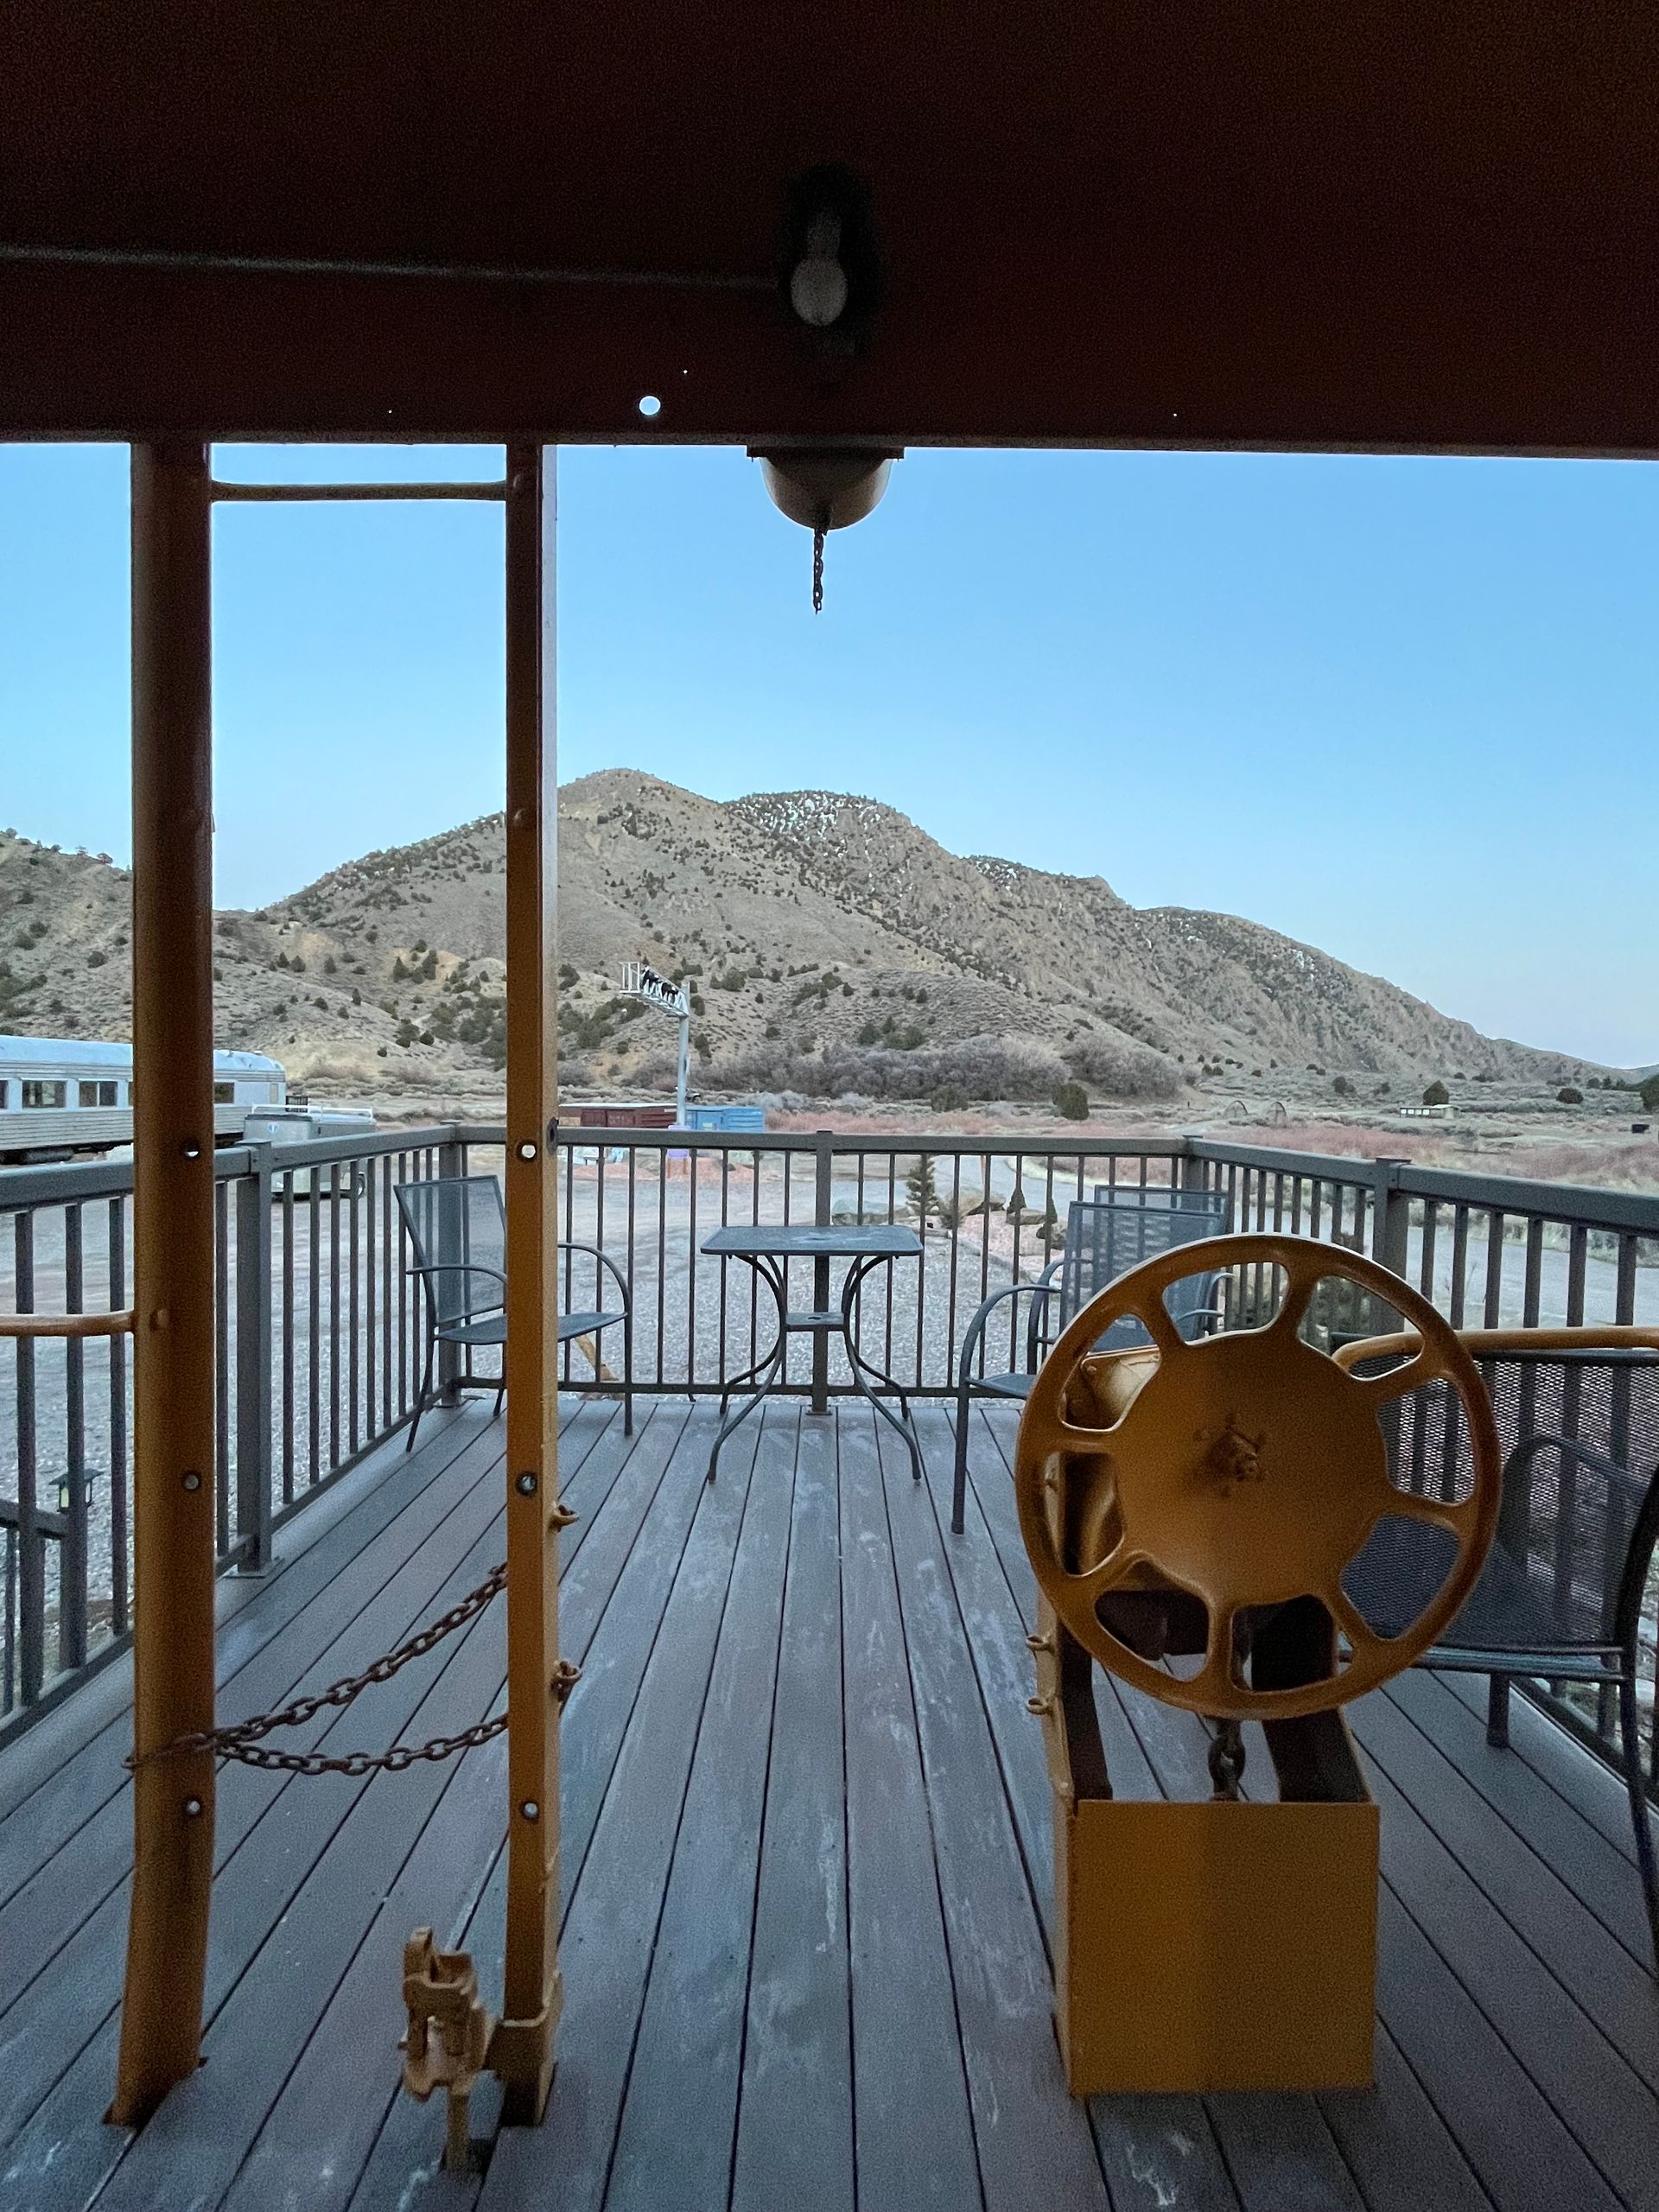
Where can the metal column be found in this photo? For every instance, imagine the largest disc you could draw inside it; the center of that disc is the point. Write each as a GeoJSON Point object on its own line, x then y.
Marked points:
{"type": "Point", "coordinates": [173, 1268]}
{"type": "Point", "coordinates": [522, 2050]}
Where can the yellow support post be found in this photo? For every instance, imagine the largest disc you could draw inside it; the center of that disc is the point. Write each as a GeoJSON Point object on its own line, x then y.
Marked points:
{"type": "Point", "coordinates": [521, 2051]}
{"type": "Point", "coordinates": [173, 1240]}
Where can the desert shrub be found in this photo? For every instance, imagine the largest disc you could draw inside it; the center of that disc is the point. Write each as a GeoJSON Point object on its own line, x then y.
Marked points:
{"type": "Point", "coordinates": [980, 1067]}
{"type": "Point", "coordinates": [948, 1099]}
{"type": "Point", "coordinates": [1071, 1102]}
{"type": "Point", "coordinates": [1342, 1088]}
{"type": "Point", "coordinates": [1568, 1095]}
{"type": "Point", "coordinates": [1111, 1068]}
{"type": "Point", "coordinates": [1437, 1094]}
{"type": "Point", "coordinates": [1650, 1092]}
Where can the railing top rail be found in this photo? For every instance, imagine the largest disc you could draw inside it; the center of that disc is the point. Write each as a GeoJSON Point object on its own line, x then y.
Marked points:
{"type": "Point", "coordinates": [1000, 1146]}
{"type": "Point", "coordinates": [1325, 1168]}
{"type": "Point", "coordinates": [1586, 1204]}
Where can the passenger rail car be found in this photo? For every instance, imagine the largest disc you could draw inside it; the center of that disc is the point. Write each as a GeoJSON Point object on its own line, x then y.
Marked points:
{"type": "Point", "coordinates": [64, 1095]}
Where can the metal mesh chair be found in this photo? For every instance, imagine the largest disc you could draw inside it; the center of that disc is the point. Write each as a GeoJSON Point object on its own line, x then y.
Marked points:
{"type": "Point", "coordinates": [1560, 1601]}
{"type": "Point", "coordinates": [1105, 1236]}
{"type": "Point", "coordinates": [457, 1227]}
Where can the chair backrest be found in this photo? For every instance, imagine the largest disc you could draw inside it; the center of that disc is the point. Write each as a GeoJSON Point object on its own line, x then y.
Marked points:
{"type": "Point", "coordinates": [1579, 1433]}
{"type": "Point", "coordinates": [1115, 1230]}
{"type": "Point", "coordinates": [458, 1226]}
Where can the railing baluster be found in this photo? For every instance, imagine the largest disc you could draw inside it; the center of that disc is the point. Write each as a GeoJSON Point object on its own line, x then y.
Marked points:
{"type": "Point", "coordinates": [221, 1370]}
{"type": "Point", "coordinates": [334, 1316]}
{"type": "Point", "coordinates": [31, 1546]}
{"type": "Point", "coordinates": [117, 1299]}
{"type": "Point", "coordinates": [288, 1339]}
{"type": "Point", "coordinates": [253, 1321]}
{"type": "Point", "coordinates": [72, 1552]}
{"type": "Point", "coordinates": [371, 1421]}
{"type": "Point", "coordinates": [354, 1349]}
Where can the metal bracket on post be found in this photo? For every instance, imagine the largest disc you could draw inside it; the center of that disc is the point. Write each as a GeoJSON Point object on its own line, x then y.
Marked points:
{"type": "Point", "coordinates": [823, 1192]}
{"type": "Point", "coordinates": [253, 1344]}
{"type": "Point", "coordinates": [447, 2045]}
{"type": "Point", "coordinates": [1390, 1216]}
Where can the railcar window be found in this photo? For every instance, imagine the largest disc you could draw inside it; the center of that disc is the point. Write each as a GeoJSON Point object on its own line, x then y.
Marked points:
{"type": "Point", "coordinates": [37, 1093]}
{"type": "Point", "coordinates": [224, 1094]}
{"type": "Point", "coordinates": [98, 1094]}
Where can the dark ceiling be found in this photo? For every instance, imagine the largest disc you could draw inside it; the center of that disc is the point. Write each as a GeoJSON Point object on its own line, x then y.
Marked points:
{"type": "Point", "coordinates": [1425, 224]}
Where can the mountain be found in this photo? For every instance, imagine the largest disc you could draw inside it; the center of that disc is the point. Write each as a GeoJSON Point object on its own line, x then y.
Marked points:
{"type": "Point", "coordinates": [830, 943]}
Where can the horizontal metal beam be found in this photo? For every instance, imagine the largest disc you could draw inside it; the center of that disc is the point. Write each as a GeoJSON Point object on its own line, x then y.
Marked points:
{"type": "Point", "coordinates": [42, 254]}
{"type": "Point", "coordinates": [300, 494]}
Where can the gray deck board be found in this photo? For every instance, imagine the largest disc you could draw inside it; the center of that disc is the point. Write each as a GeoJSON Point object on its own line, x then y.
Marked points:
{"type": "Point", "coordinates": [674, 2142]}
{"type": "Point", "coordinates": [808, 1885]}
{"type": "Point", "coordinates": [795, 2128]}
{"type": "Point", "coordinates": [915, 2145]}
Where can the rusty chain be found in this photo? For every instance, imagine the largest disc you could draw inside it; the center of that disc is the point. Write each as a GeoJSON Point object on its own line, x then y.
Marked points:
{"type": "Point", "coordinates": [240, 1739]}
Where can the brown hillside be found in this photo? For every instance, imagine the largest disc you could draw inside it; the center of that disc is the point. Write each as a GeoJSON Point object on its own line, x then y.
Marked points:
{"type": "Point", "coordinates": [817, 930]}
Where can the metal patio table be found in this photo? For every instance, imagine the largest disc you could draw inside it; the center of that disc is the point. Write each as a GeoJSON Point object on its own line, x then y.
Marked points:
{"type": "Point", "coordinates": [768, 1250]}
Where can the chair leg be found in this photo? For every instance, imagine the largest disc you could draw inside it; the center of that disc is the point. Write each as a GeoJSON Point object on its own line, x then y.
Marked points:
{"type": "Point", "coordinates": [627, 1375]}
{"type": "Point", "coordinates": [1640, 1818]}
{"type": "Point", "coordinates": [1497, 1713]}
{"type": "Point", "coordinates": [421, 1396]}
{"type": "Point", "coordinates": [500, 1394]}
{"type": "Point", "coordinates": [959, 1486]}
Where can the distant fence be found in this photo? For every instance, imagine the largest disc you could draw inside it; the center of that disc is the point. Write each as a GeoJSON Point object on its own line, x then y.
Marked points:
{"type": "Point", "coordinates": [320, 1336]}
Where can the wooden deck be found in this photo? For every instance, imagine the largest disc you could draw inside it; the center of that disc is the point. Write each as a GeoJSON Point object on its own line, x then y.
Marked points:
{"type": "Point", "coordinates": [807, 1864]}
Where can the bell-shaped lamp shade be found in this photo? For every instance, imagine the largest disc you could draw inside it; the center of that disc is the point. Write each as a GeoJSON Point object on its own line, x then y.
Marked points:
{"type": "Point", "coordinates": [826, 488]}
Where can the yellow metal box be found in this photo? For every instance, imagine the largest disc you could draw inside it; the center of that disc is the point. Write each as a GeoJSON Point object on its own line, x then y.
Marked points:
{"type": "Point", "coordinates": [1215, 1946]}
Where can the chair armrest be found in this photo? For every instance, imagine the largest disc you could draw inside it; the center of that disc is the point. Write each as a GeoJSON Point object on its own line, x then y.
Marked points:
{"type": "Point", "coordinates": [1036, 1329]}
{"type": "Point", "coordinates": [459, 1268]}
{"type": "Point", "coordinates": [976, 1328]}
{"type": "Point", "coordinates": [1543, 1439]}
{"type": "Point", "coordinates": [1640, 1495]}
{"type": "Point", "coordinates": [569, 1244]}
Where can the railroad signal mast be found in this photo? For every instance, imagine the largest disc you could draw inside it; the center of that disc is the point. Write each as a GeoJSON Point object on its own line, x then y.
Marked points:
{"type": "Point", "coordinates": [641, 981]}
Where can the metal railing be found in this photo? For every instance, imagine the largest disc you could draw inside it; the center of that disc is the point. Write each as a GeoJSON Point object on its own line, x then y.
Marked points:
{"type": "Point", "coordinates": [318, 1344]}
{"type": "Point", "coordinates": [321, 1335]}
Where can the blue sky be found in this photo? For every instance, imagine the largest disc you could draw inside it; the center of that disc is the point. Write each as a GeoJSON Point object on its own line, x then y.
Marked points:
{"type": "Point", "coordinates": [1402, 709]}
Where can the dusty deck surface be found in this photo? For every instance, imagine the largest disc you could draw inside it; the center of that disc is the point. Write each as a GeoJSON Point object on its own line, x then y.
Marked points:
{"type": "Point", "coordinates": [807, 1867]}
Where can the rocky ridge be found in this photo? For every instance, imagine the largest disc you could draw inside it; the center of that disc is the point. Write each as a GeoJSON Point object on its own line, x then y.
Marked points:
{"type": "Point", "coordinates": [813, 928]}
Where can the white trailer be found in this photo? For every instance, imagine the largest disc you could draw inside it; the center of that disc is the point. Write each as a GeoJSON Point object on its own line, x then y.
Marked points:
{"type": "Point", "coordinates": [62, 1095]}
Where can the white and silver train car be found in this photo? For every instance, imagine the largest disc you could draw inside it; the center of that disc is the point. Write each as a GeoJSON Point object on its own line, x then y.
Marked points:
{"type": "Point", "coordinates": [62, 1095]}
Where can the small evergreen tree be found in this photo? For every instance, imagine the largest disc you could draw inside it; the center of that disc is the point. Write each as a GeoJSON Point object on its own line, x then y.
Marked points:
{"type": "Point", "coordinates": [1437, 1094]}
{"type": "Point", "coordinates": [1071, 1102]}
{"type": "Point", "coordinates": [921, 1189]}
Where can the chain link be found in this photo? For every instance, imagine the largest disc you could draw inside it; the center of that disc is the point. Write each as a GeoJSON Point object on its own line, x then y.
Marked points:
{"type": "Point", "coordinates": [358, 1763]}
{"type": "Point", "coordinates": [817, 569]}
{"type": "Point", "coordinates": [240, 1740]}
{"type": "Point", "coordinates": [1226, 1761]}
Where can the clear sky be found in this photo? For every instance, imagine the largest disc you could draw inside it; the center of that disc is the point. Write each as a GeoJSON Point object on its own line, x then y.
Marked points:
{"type": "Point", "coordinates": [1404, 710]}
